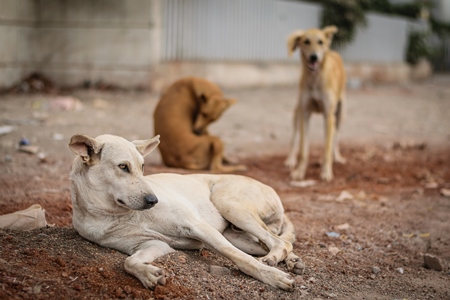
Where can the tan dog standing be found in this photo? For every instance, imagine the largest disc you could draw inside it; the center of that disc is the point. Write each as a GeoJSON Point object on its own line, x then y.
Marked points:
{"type": "Point", "coordinates": [181, 118]}
{"type": "Point", "coordinates": [116, 206]}
{"type": "Point", "coordinates": [322, 90]}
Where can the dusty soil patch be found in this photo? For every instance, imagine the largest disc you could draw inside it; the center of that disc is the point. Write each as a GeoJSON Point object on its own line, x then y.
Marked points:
{"type": "Point", "coordinates": [369, 245]}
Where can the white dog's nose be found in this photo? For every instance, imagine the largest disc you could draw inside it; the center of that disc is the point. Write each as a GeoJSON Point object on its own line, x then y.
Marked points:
{"type": "Point", "coordinates": [150, 201]}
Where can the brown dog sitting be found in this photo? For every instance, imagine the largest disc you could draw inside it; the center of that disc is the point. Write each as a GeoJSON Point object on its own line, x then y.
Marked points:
{"type": "Point", "coordinates": [181, 117]}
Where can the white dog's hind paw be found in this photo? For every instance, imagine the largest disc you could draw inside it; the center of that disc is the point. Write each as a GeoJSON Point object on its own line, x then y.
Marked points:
{"type": "Point", "coordinates": [295, 265]}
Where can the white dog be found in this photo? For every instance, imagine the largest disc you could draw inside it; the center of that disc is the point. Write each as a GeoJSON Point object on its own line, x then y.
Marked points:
{"type": "Point", "coordinates": [116, 206]}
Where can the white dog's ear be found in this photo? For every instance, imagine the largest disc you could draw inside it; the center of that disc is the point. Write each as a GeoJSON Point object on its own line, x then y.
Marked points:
{"type": "Point", "coordinates": [293, 41]}
{"type": "Point", "coordinates": [86, 147]}
{"type": "Point", "coordinates": [146, 146]}
{"type": "Point", "coordinates": [329, 32]}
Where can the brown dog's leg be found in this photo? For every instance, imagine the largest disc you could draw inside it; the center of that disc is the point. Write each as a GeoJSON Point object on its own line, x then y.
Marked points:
{"type": "Point", "coordinates": [217, 158]}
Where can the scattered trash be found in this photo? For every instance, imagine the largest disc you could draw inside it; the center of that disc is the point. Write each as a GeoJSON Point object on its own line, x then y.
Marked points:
{"type": "Point", "coordinates": [431, 185]}
{"type": "Point", "coordinates": [344, 226]}
{"type": "Point", "coordinates": [424, 235]}
{"type": "Point", "coordinates": [6, 129]}
{"type": "Point", "coordinates": [30, 218]}
{"type": "Point", "coordinates": [333, 250]}
{"type": "Point", "coordinates": [58, 136]}
{"type": "Point", "coordinates": [303, 183]}
{"type": "Point", "coordinates": [65, 104]}
{"type": "Point", "coordinates": [23, 142]}
{"type": "Point", "coordinates": [333, 234]}
{"type": "Point", "coordinates": [344, 195]}
{"type": "Point", "coordinates": [409, 145]}
{"type": "Point", "coordinates": [445, 192]}
{"type": "Point", "coordinates": [432, 262]}
{"type": "Point", "coordinates": [100, 103]}
{"type": "Point", "coordinates": [408, 235]}
{"type": "Point", "coordinates": [400, 270]}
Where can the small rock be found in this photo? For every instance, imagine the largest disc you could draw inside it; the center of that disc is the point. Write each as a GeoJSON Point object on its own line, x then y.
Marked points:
{"type": "Point", "coordinates": [300, 281]}
{"type": "Point", "coordinates": [432, 262]}
{"type": "Point", "coordinates": [375, 270]}
{"type": "Point", "coordinates": [445, 192]}
{"type": "Point", "coordinates": [303, 183]}
{"type": "Point", "coordinates": [344, 195]}
{"type": "Point", "coordinates": [311, 280]}
{"type": "Point", "coordinates": [181, 259]}
{"type": "Point", "coordinates": [58, 136]}
{"type": "Point", "coordinates": [333, 250]}
{"type": "Point", "coordinates": [218, 270]}
{"type": "Point", "coordinates": [344, 226]}
{"type": "Point", "coordinates": [6, 129]}
{"type": "Point", "coordinates": [400, 270]}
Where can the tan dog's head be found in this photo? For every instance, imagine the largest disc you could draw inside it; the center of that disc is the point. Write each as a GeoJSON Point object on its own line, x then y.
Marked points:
{"type": "Point", "coordinates": [211, 104]}
{"type": "Point", "coordinates": [313, 43]}
{"type": "Point", "coordinates": [108, 172]}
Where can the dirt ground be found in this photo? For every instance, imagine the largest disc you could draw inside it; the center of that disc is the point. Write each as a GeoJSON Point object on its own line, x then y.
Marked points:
{"type": "Point", "coordinates": [362, 236]}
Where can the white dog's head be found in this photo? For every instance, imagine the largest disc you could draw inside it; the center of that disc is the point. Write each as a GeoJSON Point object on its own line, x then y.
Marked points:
{"type": "Point", "coordinates": [109, 172]}
{"type": "Point", "coordinates": [313, 43]}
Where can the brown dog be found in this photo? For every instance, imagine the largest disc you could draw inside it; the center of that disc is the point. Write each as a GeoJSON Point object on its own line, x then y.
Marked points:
{"type": "Point", "coordinates": [181, 118]}
{"type": "Point", "coordinates": [322, 90]}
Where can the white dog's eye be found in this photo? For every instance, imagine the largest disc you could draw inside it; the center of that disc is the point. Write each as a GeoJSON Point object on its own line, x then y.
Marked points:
{"type": "Point", "coordinates": [124, 167]}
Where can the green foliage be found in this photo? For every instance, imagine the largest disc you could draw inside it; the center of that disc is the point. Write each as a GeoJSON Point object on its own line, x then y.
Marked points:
{"type": "Point", "coordinates": [440, 28]}
{"type": "Point", "coordinates": [418, 47]}
{"type": "Point", "coordinates": [347, 15]}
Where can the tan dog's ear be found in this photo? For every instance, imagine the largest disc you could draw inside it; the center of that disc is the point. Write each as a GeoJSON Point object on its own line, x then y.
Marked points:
{"type": "Point", "coordinates": [86, 147]}
{"type": "Point", "coordinates": [293, 41]}
{"type": "Point", "coordinates": [329, 32]}
{"type": "Point", "coordinates": [145, 147]}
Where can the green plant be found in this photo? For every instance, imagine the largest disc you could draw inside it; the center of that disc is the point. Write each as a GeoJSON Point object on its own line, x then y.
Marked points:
{"type": "Point", "coordinates": [418, 47]}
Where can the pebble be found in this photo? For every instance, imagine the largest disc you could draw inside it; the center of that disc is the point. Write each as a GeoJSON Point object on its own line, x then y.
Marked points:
{"type": "Point", "coordinates": [375, 270]}
{"type": "Point", "coordinates": [218, 270]}
{"type": "Point", "coordinates": [432, 262]}
{"type": "Point", "coordinates": [400, 270]}
{"type": "Point", "coordinates": [333, 250]}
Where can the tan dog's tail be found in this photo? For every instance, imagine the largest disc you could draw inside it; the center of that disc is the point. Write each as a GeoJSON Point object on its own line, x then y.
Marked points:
{"type": "Point", "coordinates": [287, 230]}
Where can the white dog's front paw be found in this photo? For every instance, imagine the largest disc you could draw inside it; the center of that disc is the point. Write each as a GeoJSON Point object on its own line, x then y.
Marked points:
{"type": "Point", "coordinates": [148, 274]}
{"type": "Point", "coordinates": [277, 278]}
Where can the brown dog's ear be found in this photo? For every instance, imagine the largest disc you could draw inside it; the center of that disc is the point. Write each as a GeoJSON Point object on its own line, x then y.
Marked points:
{"type": "Point", "coordinates": [329, 32]}
{"type": "Point", "coordinates": [86, 147]}
{"type": "Point", "coordinates": [145, 147]}
{"type": "Point", "coordinates": [293, 41]}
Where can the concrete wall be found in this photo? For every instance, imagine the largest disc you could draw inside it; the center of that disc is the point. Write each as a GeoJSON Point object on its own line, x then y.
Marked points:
{"type": "Point", "coordinates": [73, 41]}
{"type": "Point", "coordinates": [17, 22]}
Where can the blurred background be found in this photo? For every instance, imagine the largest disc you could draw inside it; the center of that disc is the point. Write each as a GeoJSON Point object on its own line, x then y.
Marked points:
{"type": "Point", "coordinates": [235, 43]}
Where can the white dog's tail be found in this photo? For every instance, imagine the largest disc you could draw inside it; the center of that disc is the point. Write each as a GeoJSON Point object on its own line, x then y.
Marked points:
{"type": "Point", "coordinates": [287, 230]}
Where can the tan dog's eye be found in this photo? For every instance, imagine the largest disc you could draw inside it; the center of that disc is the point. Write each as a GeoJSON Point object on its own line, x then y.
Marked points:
{"type": "Point", "coordinates": [320, 42]}
{"type": "Point", "coordinates": [124, 167]}
{"type": "Point", "coordinates": [307, 42]}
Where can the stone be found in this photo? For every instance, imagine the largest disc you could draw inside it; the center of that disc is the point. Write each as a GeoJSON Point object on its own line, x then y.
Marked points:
{"type": "Point", "coordinates": [432, 262]}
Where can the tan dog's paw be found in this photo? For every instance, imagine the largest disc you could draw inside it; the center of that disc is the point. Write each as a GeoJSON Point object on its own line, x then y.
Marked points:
{"type": "Point", "coordinates": [326, 174]}
{"type": "Point", "coordinates": [340, 159]}
{"type": "Point", "coordinates": [297, 175]}
{"type": "Point", "coordinates": [290, 162]}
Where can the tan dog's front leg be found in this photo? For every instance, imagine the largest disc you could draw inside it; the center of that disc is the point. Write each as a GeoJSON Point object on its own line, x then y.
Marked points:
{"type": "Point", "coordinates": [291, 160]}
{"type": "Point", "coordinates": [299, 172]}
{"type": "Point", "coordinates": [139, 264]}
{"type": "Point", "coordinates": [327, 167]}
